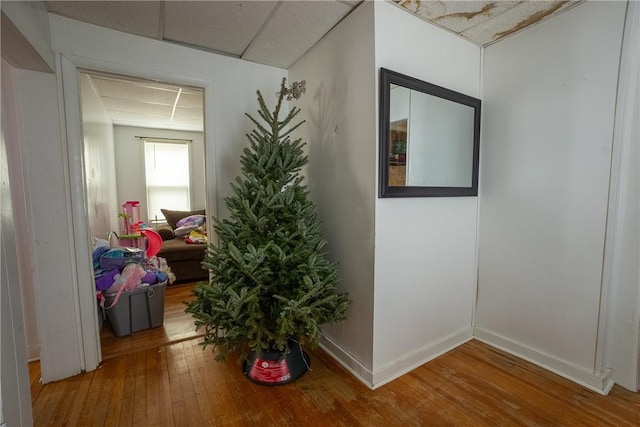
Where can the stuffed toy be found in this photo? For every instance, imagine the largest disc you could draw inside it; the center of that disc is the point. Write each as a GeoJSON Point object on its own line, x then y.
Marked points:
{"type": "Point", "coordinates": [105, 278]}
{"type": "Point", "coordinates": [150, 277]}
{"type": "Point", "coordinates": [128, 280]}
{"type": "Point", "coordinates": [162, 269]}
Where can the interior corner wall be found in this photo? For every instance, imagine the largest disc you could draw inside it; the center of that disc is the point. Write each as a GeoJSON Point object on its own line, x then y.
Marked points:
{"type": "Point", "coordinates": [130, 165]}
{"type": "Point", "coordinates": [32, 20]}
{"type": "Point", "coordinates": [425, 248]}
{"type": "Point", "coordinates": [545, 165]}
{"type": "Point", "coordinates": [99, 162]}
{"type": "Point", "coordinates": [339, 108]}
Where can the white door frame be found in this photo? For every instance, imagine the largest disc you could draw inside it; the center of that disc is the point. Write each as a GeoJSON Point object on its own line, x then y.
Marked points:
{"type": "Point", "coordinates": [86, 320]}
{"type": "Point", "coordinates": [619, 331]}
{"type": "Point", "coordinates": [68, 85]}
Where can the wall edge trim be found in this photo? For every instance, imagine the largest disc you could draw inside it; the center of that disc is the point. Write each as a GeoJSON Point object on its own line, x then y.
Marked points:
{"type": "Point", "coordinates": [411, 361]}
{"type": "Point", "coordinates": [599, 383]}
{"type": "Point", "coordinates": [347, 361]}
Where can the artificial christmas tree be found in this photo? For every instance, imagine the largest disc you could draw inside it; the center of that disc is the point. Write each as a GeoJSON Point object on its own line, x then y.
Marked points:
{"type": "Point", "coordinates": [272, 287]}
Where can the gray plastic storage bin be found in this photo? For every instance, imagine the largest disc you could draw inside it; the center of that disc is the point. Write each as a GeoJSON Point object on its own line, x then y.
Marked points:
{"type": "Point", "coordinates": [136, 310]}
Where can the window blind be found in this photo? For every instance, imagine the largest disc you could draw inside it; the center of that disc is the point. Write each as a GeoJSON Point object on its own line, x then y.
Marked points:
{"type": "Point", "coordinates": [167, 176]}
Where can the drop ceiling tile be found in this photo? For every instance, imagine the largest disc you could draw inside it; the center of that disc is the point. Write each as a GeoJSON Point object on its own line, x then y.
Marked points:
{"type": "Point", "coordinates": [124, 89]}
{"type": "Point", "coordinates": [120, 117]}
{"type": "Point", "coordinates": [189, 123]}
{"type": "Point", "coordinates": [150, 121]}
{"type": "Point", "coordinates": [189, 127]}
{"type": "Point", "coordinates": [129, 106]}
{"type": "Point", "coordinates": [224, 26]}
{"type": "Point", "coordinates": [135, 17]}
{"type": "Point", "coordinates": [188, 114]}
{"type": "Point", "coordinates": [351, 3]}
{"type": "Point", "coordinates": [144, 103]}
{"type": "Point", "coordinates": [521, 16]}
{"type": "Point", "coordinates": [191, 99]}
{"type": "Point", "coordinates": [457, 16]}
{"type": "Point", "coordinates": [293, 29]}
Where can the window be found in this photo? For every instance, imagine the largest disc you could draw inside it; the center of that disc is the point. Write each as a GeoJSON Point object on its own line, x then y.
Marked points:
{"type": "Point", "coordinates": [167, 176]}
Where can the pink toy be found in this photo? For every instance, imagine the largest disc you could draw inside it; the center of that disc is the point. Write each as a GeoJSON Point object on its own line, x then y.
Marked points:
{"type": "Point", "coordinates": [154, 241]}
{"type": "Point", "coordinates": [128, 280]}
{"type": "Point", "coordinates": [131, 220]}
{"type": "Point", "coordinates": [131, 224]}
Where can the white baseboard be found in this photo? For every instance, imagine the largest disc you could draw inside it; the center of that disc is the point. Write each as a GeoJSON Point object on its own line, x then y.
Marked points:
{"type": "Point", "coordinates": [33, 353]}
{"type": "Point", "coordinates": [347, 361]}
{"type": "Point", "coordinates": [401, 366]}
{"type": "Point", "coordinates": [600, 383]}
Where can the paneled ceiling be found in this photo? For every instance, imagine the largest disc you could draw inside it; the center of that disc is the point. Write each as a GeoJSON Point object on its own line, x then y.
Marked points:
{"type": "Point", "coordinates": [274, 33]}
{"type": "Point", "coordinates": [141, 103]}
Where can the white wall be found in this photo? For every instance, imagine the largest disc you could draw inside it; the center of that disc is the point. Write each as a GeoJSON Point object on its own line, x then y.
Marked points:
{"type": "Point", "coordinates": [230, 86]}
{"type": "Point", "coordinates": [422, 301]}
{"type": "Point", "coordinates": [425, 248]}
{"type": "Point", "coordinates": [50, 248]}
{"type": "Point", "coordinates": [15, 396]}
{"type": "Point", "coordinates": [622, 254]}
{"type": "Point", "coordinates": [32, 47]}
{"type": "Point", "coordinates": [545, 160]}
{"type": "Point", "coordinates": [21, 216]}
{"type": "Point", "coordinates": [230, 90]}
{"type": "Point", "coordinates": [130, 165]}
{"type": "Point", "coordinates": [99, 162]}
{"type": "Point", "coordinates": [425, 253]}
{"type": "Point", "coordinates": [340, 107]}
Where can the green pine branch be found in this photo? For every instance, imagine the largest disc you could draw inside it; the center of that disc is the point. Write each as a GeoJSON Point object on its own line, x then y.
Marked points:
{"type": "Point", "coordinates": [271, 280]}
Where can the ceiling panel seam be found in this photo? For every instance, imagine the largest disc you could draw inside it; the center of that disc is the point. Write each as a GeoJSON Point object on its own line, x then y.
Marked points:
{"type": "Point", "coordinates": [202, 48]}
{"type": "Point", "coordinates": [265, 46]}
{"type": "Point", "coordinates": [262, 27]}
{"type": "Point", "coordinates": [175, 104]}
{"type": "Point", "coordinates": [161, 18]}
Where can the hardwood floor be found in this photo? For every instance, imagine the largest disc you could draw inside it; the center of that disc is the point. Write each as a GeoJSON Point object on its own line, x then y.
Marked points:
{"type": "Point", "coordinates": [179, 384]}
{"type": "Point", "coordinates": [177, 326]}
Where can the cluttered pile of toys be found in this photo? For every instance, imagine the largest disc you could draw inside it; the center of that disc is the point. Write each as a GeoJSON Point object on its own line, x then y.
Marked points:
{"type": "Point", "coordinates": [121, 265]}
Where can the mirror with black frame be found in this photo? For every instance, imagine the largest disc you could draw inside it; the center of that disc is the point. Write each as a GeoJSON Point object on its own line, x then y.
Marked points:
{"type": "Point", "coordinates": [429, 139]}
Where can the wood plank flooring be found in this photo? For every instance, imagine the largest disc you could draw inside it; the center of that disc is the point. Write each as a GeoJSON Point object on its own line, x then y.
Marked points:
{"type": "Point", "coordinates": [180, 384]}
{"type": "Point", "coordinates": [177, 326]}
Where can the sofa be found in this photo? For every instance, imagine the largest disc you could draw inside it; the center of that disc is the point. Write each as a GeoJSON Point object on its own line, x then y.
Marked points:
{"type": "Point", "coordinates": [184, 259]}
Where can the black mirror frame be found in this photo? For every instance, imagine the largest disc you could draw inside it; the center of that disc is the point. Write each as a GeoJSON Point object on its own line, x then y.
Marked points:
{"type": "Point", "coordinates": [388, 77]}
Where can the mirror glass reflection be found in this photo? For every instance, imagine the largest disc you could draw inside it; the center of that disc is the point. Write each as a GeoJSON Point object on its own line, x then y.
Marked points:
{"type": "Point", "coordinates": [429, 139]}
{"type": "Point", "coordinates": [434, 150]}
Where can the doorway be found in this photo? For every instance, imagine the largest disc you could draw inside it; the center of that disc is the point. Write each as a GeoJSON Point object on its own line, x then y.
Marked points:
{"type": "Point", "coordinates": [117, 114]}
